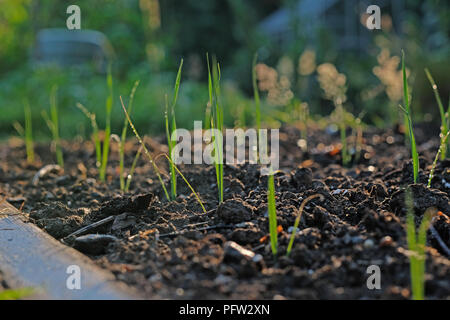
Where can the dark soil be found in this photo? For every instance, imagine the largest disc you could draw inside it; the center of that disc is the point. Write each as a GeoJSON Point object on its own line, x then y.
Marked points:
{"type": "Point", "coordinates": [173, 250]}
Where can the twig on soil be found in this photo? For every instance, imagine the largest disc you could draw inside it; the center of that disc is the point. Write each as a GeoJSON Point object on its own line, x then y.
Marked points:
{"type": "Point", "coordinates": [178, 233]}
{"type": "Point", "coordinates": [439, 240]}
{"type": "Point", "coordinates": [90, 227]}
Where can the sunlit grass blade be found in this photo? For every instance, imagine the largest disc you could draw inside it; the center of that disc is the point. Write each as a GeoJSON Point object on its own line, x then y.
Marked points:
{"type": "Point", "coordinates": [29, 133]}
{"type": "Point", "coordinates": [297, 220]}
{"type": "Point", "coordinates": [256, 94]}
{"type": "Point", "coordinates": [16, 294]}
{"type": "Point", "coordinates": [53, 124]}
{"type": "Point", "coordinates": [187, 183]}
{"type": "Point", "coordinates": [433, 167]}
{"type": "Point", "coordinates": [216, 121]}
{"type": "Point", "coordinates": [106, 141]}
{"type": "Point", "coordinates": [409, 126]}
{"type": "Point", "coordinates": [272, 214]}
{"type": "Point", "coordinates": [95, 133]}
{"type": "Point", "coordinates": [132, 169]}
{"type": "Point", "coordinates": [147, 153]}
{"type": "Point", "coordinates": [444, 125]}
{"type": "Point", "coordinates": [171, 128]}
{"type": "Point", "coordinates": [123, 138]}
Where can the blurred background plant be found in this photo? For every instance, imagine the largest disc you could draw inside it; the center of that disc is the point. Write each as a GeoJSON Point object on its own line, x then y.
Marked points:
{"type": "Point", "coordinates": [292, 38]}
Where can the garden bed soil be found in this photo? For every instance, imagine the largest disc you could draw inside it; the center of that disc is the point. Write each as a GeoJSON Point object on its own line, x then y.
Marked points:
{"type": "Point", "coordinates": [173, 250]}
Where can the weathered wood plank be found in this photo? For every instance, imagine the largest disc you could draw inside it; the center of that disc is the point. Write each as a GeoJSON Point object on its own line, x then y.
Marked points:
{"type": "Point", "coordinates": [30, 257]}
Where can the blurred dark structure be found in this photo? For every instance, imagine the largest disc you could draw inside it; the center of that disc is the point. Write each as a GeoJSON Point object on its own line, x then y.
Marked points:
{"type": "Point", "coordinates": [72, 47]}
{"type": "Point", "coordinates": [343, 19]}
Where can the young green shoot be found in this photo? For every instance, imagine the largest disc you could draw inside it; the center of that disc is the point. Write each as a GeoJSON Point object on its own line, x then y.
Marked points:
{"type": "Point", "coordinates": [132, 169]}
{"type": "Point", "coordinates": [216, 121]}
{"type": "Point", "coordinates": [106, 141]}
{"type": "Point", "coordinates": [53, 124]}
{"type": "Point", "coordinates": [297, 220]}
{"type": "Point", "coordinates": [272, 214]}
{"type": "Point", "coordinates": [416, 245]}
{"type": "Point", "coordinates": [95, 133]}
{"type": "Point", "coordinates": [407, 111]}
{"type": "Point", "coordinates": [444, 120]}
{"type": "Point", "coordinates": [170, 129]}
{"type": "Point", "coordinates": [123, 138]}
{"type": "Point", "coordinates": [433, 167]}
{"type": "Point", "coordinates": [27, 132]}
{"type": "Point", "coordinates": [155, 167]}
{"type": "Point", "coordinates": [256, 95]}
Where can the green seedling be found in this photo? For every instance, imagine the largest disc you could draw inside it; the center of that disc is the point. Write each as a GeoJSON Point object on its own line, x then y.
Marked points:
{"type": "Point", "coordinates": [297, 220]}
{"type": "Point", "coordinates": [407, 111]}
{"type": "Point", "coordinates": [433, 167]}
{"type": "Point", "coordinates": [342, 129]}
{"type": "Point", "coordinates": [124, 137]}
{"type": "Point", "coordinates": [216, 121]}
{"type": "Point", "coordinates": [53, 124]}
{"type": "Point", "coordinates": [95, 133]}
{"type": "Point", "coordinates": [256, 95]}
{"type": "Point", "coordinates": [27, 132]}
{"type": "Point", "coordinates": [16, 294]}
{"type": "Point", "coordinates": [272, 211]}
{"type": "Point", "coordinates": [132, 169]}
{"type": "Point", "coordinates": [416, 245]}
{"type": "Point", "coordinates": [106, 141]}
{"type": "Point", "coordinates": [155, 167]}
{"type": "Point", "coordinates": [444, 116]}
{"type": "Point", "coordinates": [170, 129]}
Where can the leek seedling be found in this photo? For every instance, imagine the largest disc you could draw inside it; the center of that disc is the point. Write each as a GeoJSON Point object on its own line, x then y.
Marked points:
{"type": "Point", "coordinates": [441, 148]}
{"type": "Point", "coordinates": [155, 167]}
{"type": "Point", "coordinates": [16, 294]}
{"type": "Point", "coordinates": [95, 133]}
{"type": "Point", "coordinates": [256, 95]}
{"type": "Point", "coordinates": [407, 111]}
{"type": "Point", "coordinates": [52, 123]}
{"type": "Point", "coordinates": [297, 220]}
{"type": "Point", "coordinates": [416, 245]}
{"type": "Point", "coordinates": [109, 103]}
{"type": "Point", "coordinates": [272, 214]}
{"type": "Point", "coordinates": [124, 137]}
{"type": "Point", "coordinates": [170, 129]}
{"type": "Point", "coordinates": [444, 120]}
{"type": "Point", "coordinates": [27, 132]}
{"type": "Point", "coordinates": [216, 121]}
{"type": "Point", "coordinates": [133, 167]}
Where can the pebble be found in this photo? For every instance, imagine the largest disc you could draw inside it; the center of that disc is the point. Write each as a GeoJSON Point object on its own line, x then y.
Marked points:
{"type": "Point", "coordinates": [368, 243]}
{"type": "Point", "coordinates": [235, 252]}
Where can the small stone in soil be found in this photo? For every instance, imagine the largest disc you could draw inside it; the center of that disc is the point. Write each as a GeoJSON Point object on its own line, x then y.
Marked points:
{"type": "Point", "coordinates": [235, 252]}
{"type": "Point", "coordinates": [93, 243]}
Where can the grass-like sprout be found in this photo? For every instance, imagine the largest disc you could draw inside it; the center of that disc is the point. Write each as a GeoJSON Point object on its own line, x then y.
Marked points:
{"type": "Point", "coordinates": [53, 124]}
{"type": "Point", "coordinates": [106, 141]}
{"type": "Point", "coordinates": [433, 167]}
{"type": "Point", "coordinates": [155, 167]}
{"type": "Point", "coordinates": [132, 169]}
{"type": "Point", "coordinates": [297, 220]}
{"type": "Point", "coordinates": [170, 129]}
{"type": "Point", "coordinates": [343, 135]}
{"type": "Point", "coordinates": [95, 133]}
{"type": "Point", "coordinates": [444, 116]}
{"type": "Point", "coordinates": [272, 211]}
{"type": "Point", "coordinates": [216, 121]}
{"type": "Point", "coordinates": [407, 111]}
{"type": "Point", "coordinates": [27, 132]}
{"type": "Point", "coordinates": [416, 245]}
{"type": "Point", "coordinates": [123, 138]}
{"type": "Point", "coordinates": [16, 294]}
{"type": "Point", "coordinates": [256, 95]}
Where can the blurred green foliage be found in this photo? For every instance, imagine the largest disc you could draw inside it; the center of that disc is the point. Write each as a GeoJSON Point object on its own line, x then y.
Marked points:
{"type": "Point", "coordinates": [150, 36]}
